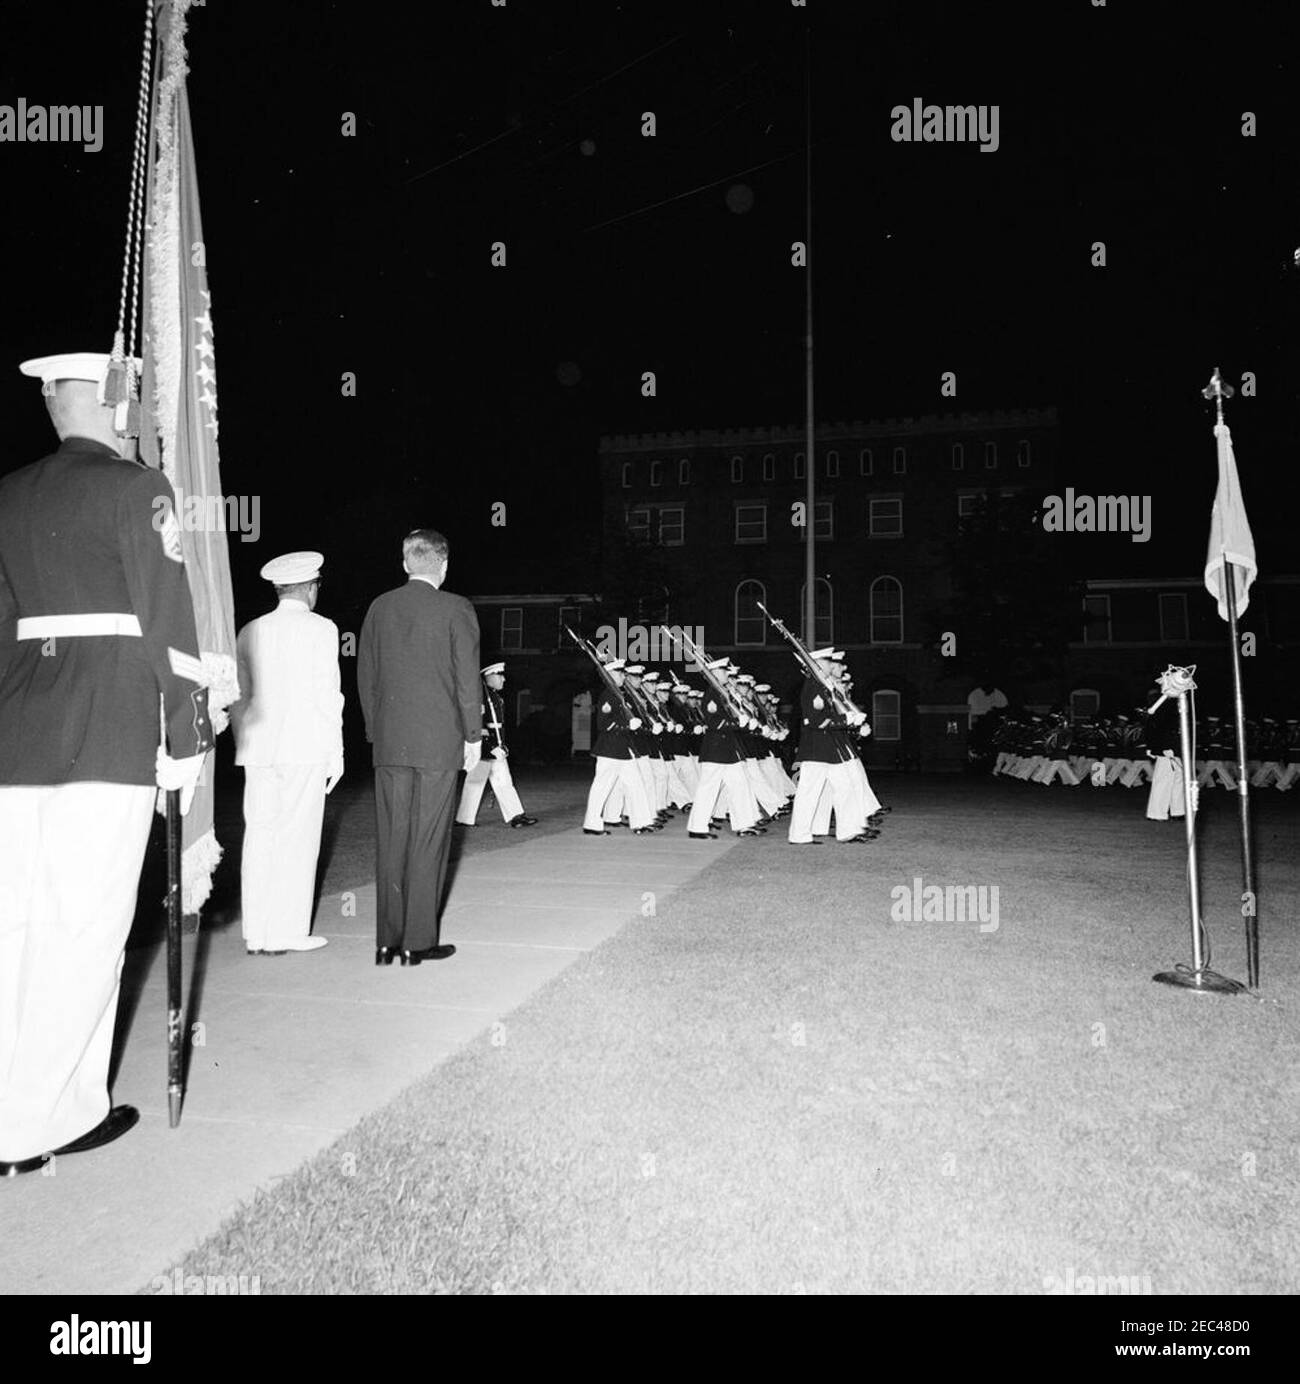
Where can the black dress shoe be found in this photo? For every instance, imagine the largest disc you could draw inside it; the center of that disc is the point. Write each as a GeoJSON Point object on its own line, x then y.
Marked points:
{"type": "Point", "coordinates": [413, 958]}
{"type": "Point", "coordinates": [702, 835]}
{"type": "Point", "coordinates": [591, 831]}
{"type": "Point", "coordinates": [645, 831]}
{"type": "Point", "coordinates": [117, 1122]}
{"type": "Point", "coordinates": [384, 955]}
{"type": "Point", "coordinates": [523, 820]}
{"type": "Point", "coordinates": [752, 831]}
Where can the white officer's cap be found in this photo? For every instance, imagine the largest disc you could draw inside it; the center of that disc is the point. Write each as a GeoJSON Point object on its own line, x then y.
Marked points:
{"type": "Point", "coordinates": [616, 664]}
{"type": "Point", "coordinates": [71, 365]}
{"type": "Point", "coordinates": [292, 568]}
{"type": "Point", "coordinates": [493, 668]}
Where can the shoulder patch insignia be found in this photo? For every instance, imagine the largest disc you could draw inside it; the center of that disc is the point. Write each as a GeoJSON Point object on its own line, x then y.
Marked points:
{"type": "Point", "coordinates": [818, 703]}
{"type": "Point", "coordinates": [170, 531]}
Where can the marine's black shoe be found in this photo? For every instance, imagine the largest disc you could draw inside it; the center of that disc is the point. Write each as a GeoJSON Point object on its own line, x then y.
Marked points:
{"type": "Point", "coordinates": [702, 835]}
{"type": "Point", "coordinates": [523, 820]}
{"type": "Point", "coordinates": [413, 958]}
{"type": "Point", "coordinates": [590, 831]}
{"type": "Point", "coordinates": [117, 1122]}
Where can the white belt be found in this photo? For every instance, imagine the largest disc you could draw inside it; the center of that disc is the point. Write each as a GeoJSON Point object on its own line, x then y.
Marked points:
{"type": "Point", "coordinates": [71, 626]}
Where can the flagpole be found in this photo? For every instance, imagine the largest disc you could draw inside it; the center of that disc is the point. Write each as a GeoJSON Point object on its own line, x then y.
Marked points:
{"type": "Point", "coordinates": [1218, 391]}
{"type": "Point", "coordinates": [810, 518]}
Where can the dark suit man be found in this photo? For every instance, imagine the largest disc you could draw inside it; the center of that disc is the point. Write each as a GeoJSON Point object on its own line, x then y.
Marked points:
{"type": "Point", "coordinates": [418, 679]}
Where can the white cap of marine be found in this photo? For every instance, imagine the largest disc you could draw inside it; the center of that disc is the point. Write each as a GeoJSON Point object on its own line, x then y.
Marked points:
{"type": "Point", "coordinates": [292, 568]}
{"type": "Point", "coordinates": [493, 668]}
{"type": "Point", "coordinates": [71, 365]}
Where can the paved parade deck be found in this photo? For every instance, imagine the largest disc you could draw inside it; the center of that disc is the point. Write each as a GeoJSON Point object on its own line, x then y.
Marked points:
{"type": "Point", "coordinates": [294, 1050]}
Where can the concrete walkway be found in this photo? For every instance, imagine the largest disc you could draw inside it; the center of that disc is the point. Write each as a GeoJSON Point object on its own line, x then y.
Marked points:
{"type": "Point", "coordinates": [291, 1051]}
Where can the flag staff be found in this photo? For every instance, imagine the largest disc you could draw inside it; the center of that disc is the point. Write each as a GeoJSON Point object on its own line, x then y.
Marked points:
{"type": "Point", "coordinates": [810, 518]}
{"type": "Point", "coordinates": [1218, 391]}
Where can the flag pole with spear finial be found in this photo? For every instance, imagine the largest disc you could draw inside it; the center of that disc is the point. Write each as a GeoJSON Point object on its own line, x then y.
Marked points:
{"type": "Point", "coordinates": [1218, 391]}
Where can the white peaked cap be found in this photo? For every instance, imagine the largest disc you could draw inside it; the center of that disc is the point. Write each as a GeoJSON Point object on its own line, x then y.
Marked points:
{"type": "Point", "coordinates": [762, 687]}
{"type": "Point", "coordinates": [719, 663]}
{"type": "Point", "coordinates": [71, 365]}
{"type": "Point", "coordinates": [634, 668]}
{"type": "Point", "coordinates": [827, 652]}
{"type": "Point", "coordinates": [615, 664]}
{"type": "Point", "coordinates": [493, 668]}
{"type": "Point", "coordinates": [292, 568]}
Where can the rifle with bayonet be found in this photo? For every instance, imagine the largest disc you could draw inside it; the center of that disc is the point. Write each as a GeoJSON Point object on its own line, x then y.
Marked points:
{"type": "Point", "coordinates": [838, 697]}
{"type": "Point", "coordinates": [726, 697]}
{"type": "Point", "coordinates": [611, 686]}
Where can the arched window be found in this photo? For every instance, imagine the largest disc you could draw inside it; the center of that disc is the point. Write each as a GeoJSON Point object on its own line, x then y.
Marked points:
{"type": "Point", "coordinates": [751, 623]}
{"type": "Point", "coordinates": [958, 456]}
{"type": "Point", "coordinates": [684, 471]}
{"type": "Point", "coordinates": [769, 467]}
{"type": "Point", "coordinates": [737, 470]}
{"type": "Point", "coordinates": [886, 718]}
{"type": "Point", "coordinates": [823, 616]}
{"type": "Point", "coordinates": [886, 611]}
{"type": "Point", "coordinates": [798, 466]}
{"type": "Point", "coordinates": [865, 462]}
{"type": "Point", "coordinates": [900, 461]}
{"type": "Point", "coordinates": [656, 473]}
{"type": "Point", "coordinates": [627, 475]}
{"type": "Point", "coordinates": [832, 465]}
{"type": "Point", "coordinates": [990, 456]}
{"type": "Point", "coordinates": [1023, 456]}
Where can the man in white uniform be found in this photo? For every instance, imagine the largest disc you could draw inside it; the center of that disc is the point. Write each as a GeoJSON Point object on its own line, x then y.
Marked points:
{"type": "Point", "coordinates": [288, 729]}
{"type": "Point", "coordinates": [492, 766]}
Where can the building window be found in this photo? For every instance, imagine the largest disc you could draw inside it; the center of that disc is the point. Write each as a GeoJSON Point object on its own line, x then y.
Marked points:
{"type": "Point", "coordinates": [523, 705]}
{"type": "Point", "coordinates": [569, 618]}
{"type": "Point", "coordinates": [1085, 702]}
{"type": "Point", "coordinates": [1096, 625]}
{"type": "Point", "coordinates": [990, 456]}
{"type": "Point", "coordinates": [900, 461]}
{"type": "Point", "coordinates": [958, 457]}
{"type": "Point", "coordinates": [886, 717]}
{"type": "Point", "coordinates": [737, 470]}
{"type": "Point", "coordinates": [823, 520]}
{"type": "Point", "coordinates": [684, 471]}
{"type": "Point", "coordinates": [638, 525]}
{"type": "Point", "coordinates": [672, 526]}
{"type": "Point", "coordinates": [886, 606]}
{"type": "Point", "coordinates": [751, 523]}
{"type": "Point", "coordinates": [656, 473]}
{"type": "Point", "coordinates": [886, 519]}
{"type": "Point", "coordinates": [512, 627]}
{"type": "Point", "coordinates": [1022, 453]}
{"type": "Point", "coordinates": [832, 465]}
{"type": "Point", "coordinates": [798, 466]}
{"type": "Point", "coordinates": [967, 505]}
{"type": "Point", "coordinates": [769, 467]}
{"type": "Point", "coordinates": [627, 475]}
{"type": "Point", "coordinates": [750, 622]}
{"type": "Point", "coordinates": [823, 616]}
{"type": "Point", "coordinates": [866, 463]}
{"type": "Point", "coordinates": [1173, 617]}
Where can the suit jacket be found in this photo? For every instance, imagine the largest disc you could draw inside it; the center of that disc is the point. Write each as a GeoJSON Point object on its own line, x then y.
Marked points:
{"type": "Point", "coordinates": [819, 742]}
{"type": "Point", "coordinates": [84, 532]}
{"type": "Point", "coordinates": [418, 677]}
{"type": "Point", "coordinates": [291, 710]}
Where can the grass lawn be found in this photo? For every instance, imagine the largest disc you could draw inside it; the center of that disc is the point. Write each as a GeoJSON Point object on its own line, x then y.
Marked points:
{"type": "Point", "coordinates": [773, 1085]}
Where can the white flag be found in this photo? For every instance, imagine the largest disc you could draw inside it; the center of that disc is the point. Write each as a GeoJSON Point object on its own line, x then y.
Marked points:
{"type": "Point", "coordinates": [1230, 538]}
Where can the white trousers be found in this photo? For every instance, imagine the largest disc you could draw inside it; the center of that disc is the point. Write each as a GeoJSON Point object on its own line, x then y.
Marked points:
{"type": "Point", "coordinates": [70, 859]}
{"type": "Point", "coordinates": [774, 771]}
{"type": "Point", "coordinates": [1166, 798]}
{"type": "Point", "coordinates": [765, 795]}
{"type": "Point", "coordinates": [497, 771]}
{"type": "Point", "coordinates": [683, 775]}
{"type": "Point", "coordinates": [839, 782]}
{"type": "Point", "coordinates": [284, 805]}
{"type": "Point", "coordinates": [742, 810]}
{"type": "Point", "coordinates": [612, 774]}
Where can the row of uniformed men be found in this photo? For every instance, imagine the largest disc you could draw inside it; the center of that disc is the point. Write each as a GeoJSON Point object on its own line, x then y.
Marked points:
{"type": "Point", "coordinates": [663, 747]}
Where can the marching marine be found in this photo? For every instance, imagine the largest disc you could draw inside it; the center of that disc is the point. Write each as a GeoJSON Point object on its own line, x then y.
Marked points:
{"type": "Point", "coordinates": [492, 766]}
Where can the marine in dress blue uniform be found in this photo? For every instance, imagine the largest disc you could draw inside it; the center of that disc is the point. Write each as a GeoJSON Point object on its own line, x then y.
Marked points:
{"type": "Point", "coordinates": [96, 625]}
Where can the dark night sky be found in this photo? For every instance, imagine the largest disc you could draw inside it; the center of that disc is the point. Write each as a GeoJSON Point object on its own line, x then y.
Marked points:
{"type": "Point", "coordinates": [371, 254]}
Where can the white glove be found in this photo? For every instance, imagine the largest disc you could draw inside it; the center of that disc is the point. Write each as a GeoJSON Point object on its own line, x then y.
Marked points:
{"type": "Point", "coordinates": [698, 730]}
{"type": "Point", "coordinates": [864, 730]}
{"type": "Point", "coordinates": [183, 774]}
{"type": "Point", "coordinates": [857, 718]}
{"type": "Point", "coordinates": [333, 774]}
{"type": "Point", "coordinates": [656, 728]}
{"type": "Point", "coordinates": [634, 723]}
{"type": "Point", "coordinates": [473, 753]}
{"type": "Point", "coordinates": [500, 752]}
